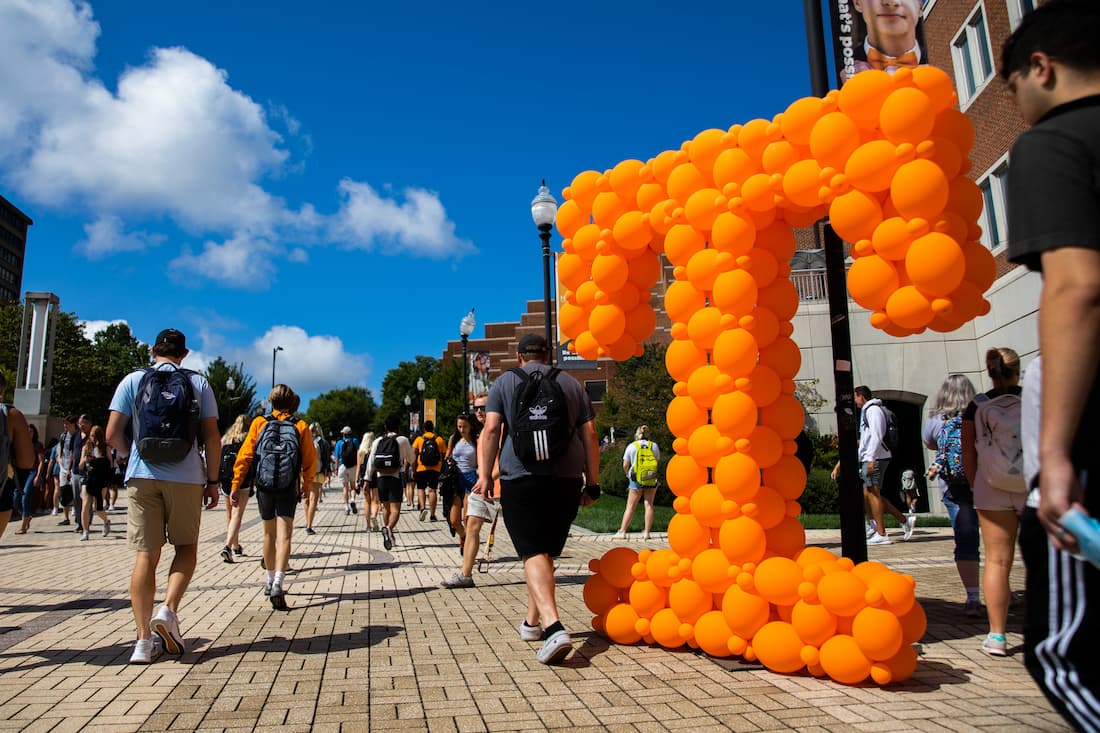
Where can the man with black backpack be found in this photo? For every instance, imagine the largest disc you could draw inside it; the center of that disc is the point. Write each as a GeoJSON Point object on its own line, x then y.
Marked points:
{"type": "Point", "coordinates": [280, 456]}
{"type": "Point", "coordinates": [346, 452]}
{"type": "Point", "coordinates": [428, 449]}
{"type": "Point", "coordinates": [877, 438]}
{"type": "Point", "coordinates": [550, 452]}
{"type": "Point", "coordinates": [167, 481]}
{"type": "Point", "coordinates": [389, 454]}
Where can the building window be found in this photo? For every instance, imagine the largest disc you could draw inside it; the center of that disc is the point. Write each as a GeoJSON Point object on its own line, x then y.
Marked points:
{"type": "Point", "coordinates": [1017, 9]}
{"type": "Point", "coordinates": [596, 390]}
{"type": "Point", "coordinates": [973, 57]}
{"type": "Point", "coordinates": [994, 221]}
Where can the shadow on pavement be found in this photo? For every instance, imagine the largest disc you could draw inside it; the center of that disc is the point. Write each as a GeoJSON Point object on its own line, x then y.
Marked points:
{"type": "Point", "coordinates": [319, 644]}
{"type": "Point", "coordinates": [946, 620]}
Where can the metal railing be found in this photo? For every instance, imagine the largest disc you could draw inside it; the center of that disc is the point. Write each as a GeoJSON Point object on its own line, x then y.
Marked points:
{"type": "Point", "coordinates": [810, 284]}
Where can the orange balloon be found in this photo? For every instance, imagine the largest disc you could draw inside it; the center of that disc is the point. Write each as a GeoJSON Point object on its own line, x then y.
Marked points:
{"type": "Point", "coordinates": [685, 180]}
{"type": "Point", "coordinates": [711, 570]}
{"type": "Point", "coordinates": [855, 215]}
{"type": "Point", "coordinates": [787, 476]}
{"type": "Point", "coordinates": [833, 139]}
{"type": "Point", "coordinates": [713, 634]}
{"type": "Point", "coordinates": [703, 206]}
{"type": "Point", "coordinates": [896, 590]}
{"type": "Point", "coordinates": [965, 198]}
{"type": "Point", "coordinates": [645, 270]}
{"type": "Point", "coordinates": [777, 580]}
{"type": "Point", "coordinates": [625, 179]}
{"type": "Point", "coordinates": [783, 357]}
{"type": "Point", "coordinates": [704, 325]}
{"type": "Point", "coordinates": [682, 358]}
{"type": "Point", "coordinates": [781, 298]}
{"type": "Point", "coordinates": [797, 121]}
{"type": "Point", "coordinates": [705, 147]}
{"type": "Point", "coordinates": [735, 292]}
{"type": "Point", "coordinates": [585, 240]}
{"type": "Point", "coordinates": [766, 447]}
{"type": "Point", "coordinates": [609, 272]}
{"type": "Point", "coordinates": [572, 270]}
{"type": "Point", "coordinates": [632, 231]}
{"type": "Point", "coordinates": [707, 445]}
{"type": "Point", "coordinates": [813, 623]}
{"type": "Point", "coordinates": [778, 647]}
{"type": "Point", "coordinates": [572, 319]}
{"type": "Point", "coordinates": [755, 135]}
{"type": "Point", "coordinates": [683, 300]}
{"type": "Point", "coordinates": [871, 281]}
{"type": "Point", "coordinates": [606, 208]}
{"type": "Point", "coordinates": [862, 97]}
{"type": "Point", "coordinates": [909, 308]}
{"type": "Point", "coordinates": [737, 476]}
{"type": "Point", "coordinates": [733, 234]}
{"type": "Point", "coordinates": [647, 598]}
{"type": "Point", "coordinates": [944, 153]}
{"type": "Point", "coordinates": [745, 613]}
{"type": "Point", "coordinates": [733, 165]}
{"type": "Point", "coordinates": [686, 535]}
{"type": "Point", "coordinates": [620, 624]}
{"type": "Point", "coordinates": [913, 624]}
{"type": "Point", "coordinates": [742, 539]}
{"type": "Point", "coordinates": [607, 323]}
{"type": "Point", "coordinates": [763, 267]}
{"type": "Point", "coordinates": [599, 595]}
{"type": "Point", "coordinates": [935, 263]}
{"type": "Point", "coordinates": [937, 85]}
{"type": "Point", "coordinates": [877, 632]}
{"type": "Point", "coordinates": [681, 242]}
{"type": "Point", "coordinates": [786, 538]}
{"type": "Point", "coordinates": [891, 238]}
{"type": "Point", "coordinates": [708, 505]}
{"type": "Point", "coordinates": [907, 116]}
{"type": "Point", "coordinates": [956, 127]}
{"type": "Point", "coordinates": [779, 156]}
{"type": "Point", "coordinates": [688, 600]}
{"type": "Point", "coordinates": [684, 416]}
{"type": "Point", "coordinates": [705, 265]}
{"type": "Point", "coordinates": [785, 416]}
{"type": "Point", "coordinates": [735, 352]}
{"type": "Point", "coordinates": [758, 192]}
{"type": "Point", "coordinates": [666, 628]}
{"type": "Point", "coordinates": [764, 386]}
{"type": "Point", "coordinates": [842, 659]}
{"type": "Point", "coordinates": [649, 195]}
{"type": "Point", "coordinates": [901, 666]}
{"type": "Point", "coordinates": [733, 414]}
{"type": "Point", "coordinates": [842, 593]}
{"type": "Point", "coordinates": [584, 188]}
{"type": "Point", "coordinates": [586, 345]}
{"type": "Point", "coordinates": [570, 218]}
{"type": "Point", "coordinates": [872, 166]}
{"type": "Point", "coordinates": [684, 475]}
{"type": "Point", "coordinates": [981, 268]}
{"type": "Point", "coordinates": [919, 189]}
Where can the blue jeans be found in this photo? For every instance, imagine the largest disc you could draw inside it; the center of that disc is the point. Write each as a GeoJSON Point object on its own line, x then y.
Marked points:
{"type": "Point", "coordinates": [964, 522]}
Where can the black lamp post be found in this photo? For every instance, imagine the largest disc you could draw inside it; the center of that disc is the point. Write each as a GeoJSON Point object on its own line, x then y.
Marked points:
{"type": "Point", "coordinates": [544, 208]}
{"type": "Point", "coordinates": [274, 351]}
{"type": "Point", "coordinates": [465, 328]}
{"type": "Point", "coordinates": [420, 387]}
{"type": "Point", "coordinates": [408, 412]}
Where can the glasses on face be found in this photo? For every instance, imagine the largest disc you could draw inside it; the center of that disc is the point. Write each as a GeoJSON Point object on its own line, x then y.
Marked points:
{"type": "Point", "coordinates": [479, 408]}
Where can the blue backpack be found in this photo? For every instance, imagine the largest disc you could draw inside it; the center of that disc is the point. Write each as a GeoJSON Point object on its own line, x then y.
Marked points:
{"type": "Point", "coordinates": [949, 445]}
{"type": "Point", "coordinates": [166, 415]}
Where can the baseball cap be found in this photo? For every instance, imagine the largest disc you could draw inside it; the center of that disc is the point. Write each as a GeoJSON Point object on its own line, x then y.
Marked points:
{"type": "Point", "coordinates": [171, 336]}
{"type": "Point", "coordinates": [346, 430]}
{"type": "Point", "coordinates": [532, 343]}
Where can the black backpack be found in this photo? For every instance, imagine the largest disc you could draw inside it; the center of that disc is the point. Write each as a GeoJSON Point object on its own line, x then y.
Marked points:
{"type": "Point", "coordinates": [278, 459]}
{"type": "Point", "coordinates": [166, 415]}
{"type": "Point", "coordinates": [225, 469]}
{"type": "Point", "coordinates": [539, 423]}
{"type": "Point", "coordinates": [890, 437]}
{"type": "Point", "coordinates": [347, 453]}
{"type": "Point", "coordinates": [387, 456]}
{"type": "Point", "coordinates": [429, 450]}
{"type": "Point", "coordinates": [324, 454]}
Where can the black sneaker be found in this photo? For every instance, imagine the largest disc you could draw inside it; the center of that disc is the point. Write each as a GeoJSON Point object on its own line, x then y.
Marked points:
{"type": "Point", "coordinates": [309, 531]}
{"type": "Point", "coordinates": [238, 551]}
{"type": "Point", "coordinates": [354, 510]}
{"type": "Point", "coordinates": [387, 541]}
{"type": "Point", "coordinates": [278, 598]}
{"type": "Point", "coordinates": [433, 518]}
{"type": "Point", "coordinates": [227, 554]}
{"type": "Point", "coordinates": [64, 523]}
{"type": "Point", "coordinates": [262, 566]}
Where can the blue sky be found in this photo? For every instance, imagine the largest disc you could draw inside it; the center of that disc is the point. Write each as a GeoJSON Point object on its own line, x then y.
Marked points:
{"type": "Point", "coordinates": [344, 179]}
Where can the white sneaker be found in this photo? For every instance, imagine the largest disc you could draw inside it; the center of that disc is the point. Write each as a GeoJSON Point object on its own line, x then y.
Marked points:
{"type": "Point", "coordinates": [556, 648]}
{"type": "Point", "coordinates": [83, 536]}
{"type": "Point", "coordinates": [619, 536]}
{"type": "Point", "coordinates": [54, 512]}
{"type": "Point", "coordinates": [529, 633]}
{"type": "Point", "coordinates": [145, 651]}
{"type": "Point", "coordinates": [871, 528]}
{"type": "Point", "coordinates": [908, 527]}
{"type": "Point", "coordinates": [106, 528]}
{"type": "Point", "coordinates": [166, 625]}
{"type": "Point", "coordinates": [879, 539]}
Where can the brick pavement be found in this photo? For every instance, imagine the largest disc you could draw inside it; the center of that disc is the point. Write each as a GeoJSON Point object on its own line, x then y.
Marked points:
{"type": "Point", "coordinates": [372, 642]}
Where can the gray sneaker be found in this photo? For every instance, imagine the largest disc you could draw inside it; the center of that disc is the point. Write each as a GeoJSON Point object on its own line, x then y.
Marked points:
{"type": "Point", "coordinates": [529, 633]}
{"type": "Point", "coordinates": [145, 651]}
{"type": "Point", "coordinates": [458, 580]}
{"type": "Point", "coordinates": [556, 648]}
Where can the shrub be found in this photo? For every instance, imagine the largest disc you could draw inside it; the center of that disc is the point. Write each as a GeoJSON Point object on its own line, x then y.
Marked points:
{"type": "Point", "coordinates": [822, 495]}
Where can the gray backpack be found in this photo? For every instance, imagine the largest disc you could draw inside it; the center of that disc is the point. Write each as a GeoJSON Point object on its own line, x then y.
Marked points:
{"type": "Point", "coordinates": [278, 460]}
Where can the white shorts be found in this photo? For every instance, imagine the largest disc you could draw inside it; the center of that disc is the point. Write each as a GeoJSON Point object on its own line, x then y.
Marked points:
{"type": "Point", "coordinates": [477, 506]}
{"type": "Point", "coordinates": [347, 475]}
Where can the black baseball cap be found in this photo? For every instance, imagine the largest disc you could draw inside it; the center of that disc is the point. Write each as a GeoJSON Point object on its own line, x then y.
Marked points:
{"type": "Point", "coordinates": [171, 336]}
{"type": "Point", "coordinates": [532, 343]}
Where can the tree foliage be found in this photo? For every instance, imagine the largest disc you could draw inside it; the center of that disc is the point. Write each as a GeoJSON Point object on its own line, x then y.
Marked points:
{"type": "Point", "coordinates": [445, 387]}
{"type": "Point", "coordinates": [231, 402]}
{"type": "Point", "coordinates": [400, 382]}
{"type": "Point", "coordinates": [350, 406]}
{"type": "Point", "coordinates": [638, 394]}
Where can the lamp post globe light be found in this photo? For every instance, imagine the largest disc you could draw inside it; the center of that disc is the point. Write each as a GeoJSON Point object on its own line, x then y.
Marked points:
{"type": "Point", "coordinates": [544, 209]}
{"type": "Point", "coordinates": [420, 387]}
{"type": "Point", "coordinates": [465, 328]}
{"type": "Point", "coordinates": [274, 351]}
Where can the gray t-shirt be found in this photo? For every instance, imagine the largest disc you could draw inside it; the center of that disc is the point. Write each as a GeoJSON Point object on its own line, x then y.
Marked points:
{"type": "Point", "coordinates": [501, 400]}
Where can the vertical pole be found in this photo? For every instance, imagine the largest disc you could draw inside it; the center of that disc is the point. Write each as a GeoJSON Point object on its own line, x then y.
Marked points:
{"type": "Point", "coordinates": [465, 377]}
{"type": "Point", "coordinates": [273, 353]}
{"type": "Point", "coordinates": [544, 234]}
{"type": "Point", "coordinates": [853, 540]}
{"type": "Point", "coordinates": [815, 45]}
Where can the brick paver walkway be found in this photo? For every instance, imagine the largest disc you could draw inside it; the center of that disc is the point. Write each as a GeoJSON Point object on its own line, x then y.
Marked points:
{"type": "Point", "coordinates": [373, 643]}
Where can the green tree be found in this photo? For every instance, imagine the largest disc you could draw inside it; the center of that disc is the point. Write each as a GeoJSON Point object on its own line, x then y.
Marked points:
{"type": "Point", "coordinates": [351, 406]}
{"type": "Point", "coordinates": [638, 394]}
{"type": "Point", "coordinates": [445, 387]}
{"type": "Point", "coordinates": [400, 382]}
{"type": "Point", "coordinates": [231, 402]}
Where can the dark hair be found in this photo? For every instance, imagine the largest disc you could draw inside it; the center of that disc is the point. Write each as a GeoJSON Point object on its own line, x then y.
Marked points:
{"type": "Point", "coordinates": [1066, 30]}
{"type": "Point", "coordinates": [864, 392]}
{"type": "Point", "coordinates": [283, 398]}
{"type": "Point", "coordinates": [429, 426]}
{"type": "Point", "coordinates": [392, 423]}
{"type": "Point", "coordinates": [169, 350]}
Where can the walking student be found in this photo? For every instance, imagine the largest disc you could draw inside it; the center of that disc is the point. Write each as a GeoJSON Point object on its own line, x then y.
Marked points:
{"type": "Point", "coordinates": [280, 454]}
{"type": "Point", "coordinates": [234, 513]}
{"type": "Point", "coordinates": [640, 461]}
{"type": "Point", "coordinates": [165, 484]}
{"type": "Point", "coordinates": [428, 449]}
{"type": "Point", "coordinates": [389, 454]}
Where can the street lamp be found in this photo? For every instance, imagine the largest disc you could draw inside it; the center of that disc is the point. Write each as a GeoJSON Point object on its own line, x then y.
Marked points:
{"type": "Point", "coordinates": [544, 208]}
{"type": "Point", "coordinates": [408, 411]}
{"type": "Point", "coordinates": [465, 328]}
{"type": "Point", "coordinates": [420, 387]}
{"type": "Point", "coordinates": [274, 351]}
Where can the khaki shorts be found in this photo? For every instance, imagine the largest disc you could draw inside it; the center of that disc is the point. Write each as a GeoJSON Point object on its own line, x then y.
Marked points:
{"type": "Point", "coordinates": [477, 506]}
{"type": "Point", "coordinates": [160, 511]}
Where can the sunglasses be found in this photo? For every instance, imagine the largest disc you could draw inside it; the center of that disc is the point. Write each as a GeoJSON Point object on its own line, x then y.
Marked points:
{"type": "Point", "coordinates": [479, 408]}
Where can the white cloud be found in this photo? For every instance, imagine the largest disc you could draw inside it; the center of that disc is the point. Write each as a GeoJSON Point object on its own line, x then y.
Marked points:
{"type": "Point", "coordinates": [173, 139]}
{"type": "Point", "coordinates": [106, 236]}
{"type": "Point", "coordinates": [419, 225]}
{"type": "Point", "coordinates": [309, 364]}
{"type": "Point", "coordinates": [91, 328]}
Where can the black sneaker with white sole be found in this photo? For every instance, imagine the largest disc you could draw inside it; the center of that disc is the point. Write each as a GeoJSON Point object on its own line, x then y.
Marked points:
{"type": "Point", "coordinates": [387, 538]}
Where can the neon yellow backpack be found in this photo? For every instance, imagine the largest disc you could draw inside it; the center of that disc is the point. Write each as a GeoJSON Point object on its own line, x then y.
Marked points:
{"type": "Point", "coordinates": [645, 465]}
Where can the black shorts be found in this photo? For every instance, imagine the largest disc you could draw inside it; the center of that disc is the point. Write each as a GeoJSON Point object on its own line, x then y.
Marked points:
{"type": "Point", "coordinates": [538, 511]}
{"type": "Point", "coordinates": [67, 495]}
{"type": "Point", "coordinates": [276, 504]}
{"type": "Point", "coordinates": [389, 489]}
{"type": "Point", "coordinates": [7, 495]}
{"type": "Point", "coordinates": [427, 480]}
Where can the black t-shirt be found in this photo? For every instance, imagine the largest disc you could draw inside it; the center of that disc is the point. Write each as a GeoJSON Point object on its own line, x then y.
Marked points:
{"type": "Point", "coordinates": [1053, 202]}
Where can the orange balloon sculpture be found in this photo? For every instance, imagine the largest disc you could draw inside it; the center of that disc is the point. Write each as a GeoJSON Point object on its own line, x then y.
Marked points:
{"type": "Point", "coordinates": [885, 159]}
